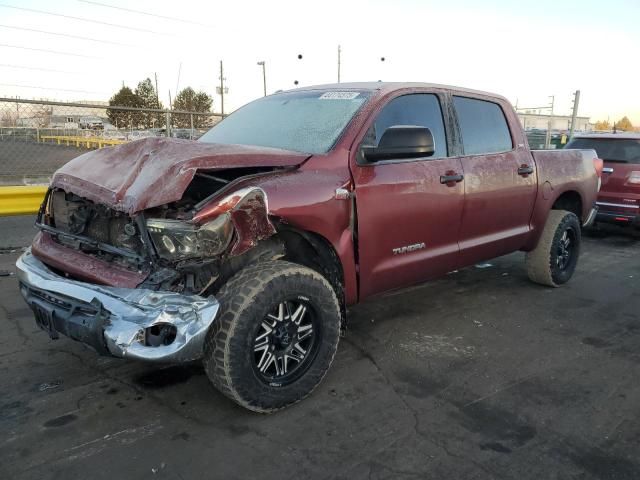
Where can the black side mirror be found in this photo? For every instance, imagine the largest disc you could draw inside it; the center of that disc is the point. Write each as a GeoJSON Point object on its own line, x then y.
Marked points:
{"type": "Point", "coordinates": [401, 142]}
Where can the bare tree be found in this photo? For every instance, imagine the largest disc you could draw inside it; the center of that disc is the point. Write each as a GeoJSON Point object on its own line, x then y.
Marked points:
{"type": "Point", "coordinates": [42, 115]}
{"type": "Point", "coordinates": [8, 118]}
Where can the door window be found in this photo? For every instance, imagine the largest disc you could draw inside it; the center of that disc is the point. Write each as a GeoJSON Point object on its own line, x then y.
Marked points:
{"type": "Point", "coordinates": [482, 125]}
{"type": "Point", "coordinates": [420, 109]}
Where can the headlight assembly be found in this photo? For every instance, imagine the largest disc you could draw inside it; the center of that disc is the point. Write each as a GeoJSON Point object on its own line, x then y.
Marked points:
{"type": "Point", "coordinates": [177, 240]}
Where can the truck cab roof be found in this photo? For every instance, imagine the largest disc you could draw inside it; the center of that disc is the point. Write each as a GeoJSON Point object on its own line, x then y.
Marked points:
{"type": "Point", "coordinates": [389, 87]}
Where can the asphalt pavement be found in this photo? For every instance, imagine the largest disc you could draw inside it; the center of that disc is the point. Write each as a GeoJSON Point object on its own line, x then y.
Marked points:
{"type": "Point", "coordinates": [480, 375]}
{"type": "Point", "coordinates": [16, 232]}
{"type": "Point", "coordinates": [32, 162]}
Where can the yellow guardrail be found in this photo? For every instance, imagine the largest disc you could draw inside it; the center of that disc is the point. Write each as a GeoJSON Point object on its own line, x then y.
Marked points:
{"type": "Point", "coordinates": [21, 200]}
{"type": "Point", "coordinates": [87, 142]}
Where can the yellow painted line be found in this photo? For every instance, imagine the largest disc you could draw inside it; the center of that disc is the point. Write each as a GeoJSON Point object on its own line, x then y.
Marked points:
{"type": "Point", "coordinates": [21, 200]}
{"type": "Point", "coordinates": [81, 141]}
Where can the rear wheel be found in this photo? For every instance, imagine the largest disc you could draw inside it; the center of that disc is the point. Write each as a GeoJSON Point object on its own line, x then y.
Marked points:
{"type": "Point", "coordinates": [554, 259]}
{"type": "Point", "coordinates": [275, 337]}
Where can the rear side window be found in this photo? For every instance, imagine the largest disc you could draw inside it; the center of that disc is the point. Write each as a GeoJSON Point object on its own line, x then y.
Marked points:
{"type": "Point", "coordinates": [482, 125]}
{"type": "Point", "coordinates": [419, 109]}
{"type": "Point", "coordinates": [624, 150]}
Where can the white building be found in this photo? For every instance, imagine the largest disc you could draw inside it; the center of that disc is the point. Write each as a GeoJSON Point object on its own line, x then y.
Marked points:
{"type": "Point", "coordinates": [59, 110]}
{"type": "Point", "coordinates": [536, 121]}
{"type": "Point", "coordinates": [69, 117]}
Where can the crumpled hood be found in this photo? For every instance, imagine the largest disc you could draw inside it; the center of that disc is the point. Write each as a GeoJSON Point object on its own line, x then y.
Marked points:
{"type": "Point", "coordinates": [154, 171]}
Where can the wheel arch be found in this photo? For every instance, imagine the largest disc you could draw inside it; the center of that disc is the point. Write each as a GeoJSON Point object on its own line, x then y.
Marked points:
{"type": "Point", "coordinates": [570, 201]}
{"type": "Point", "coordinates": [316, 252]}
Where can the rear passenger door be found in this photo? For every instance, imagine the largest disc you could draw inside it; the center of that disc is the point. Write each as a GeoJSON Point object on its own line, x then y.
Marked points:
{"type": "Point", "coordinates": [499, 180]}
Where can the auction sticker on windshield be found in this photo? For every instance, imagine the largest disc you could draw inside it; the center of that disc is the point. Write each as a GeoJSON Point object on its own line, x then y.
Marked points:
{"type": "Point", "coordinates": [339, 95]}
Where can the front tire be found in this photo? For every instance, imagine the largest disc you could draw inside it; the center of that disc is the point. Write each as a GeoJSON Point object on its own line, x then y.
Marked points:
{"type": "Point", "coordinates": [275, 337]}
{"type": "Point", "coordinates": [554, 259]}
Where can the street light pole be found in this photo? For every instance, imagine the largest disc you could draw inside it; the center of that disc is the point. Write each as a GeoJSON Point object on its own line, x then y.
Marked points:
{"type": "Point", "coordinates": [339, 51]}
{"type": "Point", "coordinates": [264, 75]}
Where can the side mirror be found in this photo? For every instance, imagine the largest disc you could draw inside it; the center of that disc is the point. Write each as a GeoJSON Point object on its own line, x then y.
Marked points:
{"type": "Point", "coordinates": [401, 142]}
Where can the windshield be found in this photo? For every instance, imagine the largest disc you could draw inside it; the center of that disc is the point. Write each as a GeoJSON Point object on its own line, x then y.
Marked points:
{"type": "Point", "coordinates": [625, 150]}
{"type": "Point", "coordinates": [303, 121]}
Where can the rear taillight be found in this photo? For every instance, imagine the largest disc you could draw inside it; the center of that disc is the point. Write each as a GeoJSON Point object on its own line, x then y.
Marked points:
{"type": "Point", "coordinates": [598, 164]}
{"type": "Point", "coordinates": [634, 178]}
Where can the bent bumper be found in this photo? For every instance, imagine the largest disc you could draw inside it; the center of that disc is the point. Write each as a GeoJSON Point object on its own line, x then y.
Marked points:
{"type": "Point", "coordinates": [116, 321]}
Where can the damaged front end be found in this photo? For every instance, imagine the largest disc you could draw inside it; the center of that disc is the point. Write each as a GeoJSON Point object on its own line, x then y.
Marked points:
{"type": "Point", "coordinates": [138, 286]}
{"type": "Point", "coordinates": [128, 323]}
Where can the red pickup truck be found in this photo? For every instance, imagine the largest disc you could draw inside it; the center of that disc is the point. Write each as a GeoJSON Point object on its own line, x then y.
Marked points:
{"type": "Point", "coordinates": [245, 248]}
{"type": "Point", "coordinates": [619, 199]}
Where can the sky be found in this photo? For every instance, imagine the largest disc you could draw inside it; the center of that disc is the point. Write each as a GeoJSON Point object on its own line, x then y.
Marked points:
{"type": "Point", "coordinates": [526, 51]}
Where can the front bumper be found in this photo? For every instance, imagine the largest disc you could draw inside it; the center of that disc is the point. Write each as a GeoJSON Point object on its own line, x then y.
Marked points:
{"type": "Point", "coordinates": [116, 321]}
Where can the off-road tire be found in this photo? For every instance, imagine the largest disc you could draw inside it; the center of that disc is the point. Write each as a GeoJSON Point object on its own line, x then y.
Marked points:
{"type": "Point", "coordinates": [541, 262]}
{"type": "Point", "coordinates": [244, 301]}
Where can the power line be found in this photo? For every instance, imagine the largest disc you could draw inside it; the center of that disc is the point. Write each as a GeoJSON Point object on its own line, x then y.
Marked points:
{"type": "Point", "coordinates": [49, 88]}
{"type": "Point", "coordinates": [47, 51]}
{"type": "Point", "coordinates": [67, 35]}
{"type": "Point", "coordinates": [140, 12]}
{"type": "Point", "coordinates": [24, 67]}
{"type": "Point", "coordinates": [81, 19]}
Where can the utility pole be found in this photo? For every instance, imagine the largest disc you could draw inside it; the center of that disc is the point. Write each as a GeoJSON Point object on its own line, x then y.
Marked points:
{"type": "Point", "coordinates": [547, 137]}
{"type": "Point", "coordinates": [339, 51]}
{"type": "Point", "coordinates": [264, 76]}
{"type": "Point", "coordinates": [178, 80]}
{"type": "Point", "coordinates": [155, 75]}
{"type": "Point", "coordinates": [574, 114]}
{"type": "Point", "coordinates": [167, 118]}
{"type": "Point", "coordinates": [221, 90]}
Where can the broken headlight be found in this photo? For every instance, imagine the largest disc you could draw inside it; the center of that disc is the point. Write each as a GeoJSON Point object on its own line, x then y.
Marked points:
{"type": "Point", "coordinates": [177, 240]}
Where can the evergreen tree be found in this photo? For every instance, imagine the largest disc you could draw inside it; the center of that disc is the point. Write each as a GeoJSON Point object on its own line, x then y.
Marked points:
{"type": "Point", "coordinates": [148, 96]}
{"type": "Point", "coordinates": [190, 100]}
{"type": "Point", "coordinates": [123, 118]}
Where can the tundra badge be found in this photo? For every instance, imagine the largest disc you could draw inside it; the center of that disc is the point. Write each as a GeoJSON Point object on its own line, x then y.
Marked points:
{"type": "Point", "coordinates": [408, 248]}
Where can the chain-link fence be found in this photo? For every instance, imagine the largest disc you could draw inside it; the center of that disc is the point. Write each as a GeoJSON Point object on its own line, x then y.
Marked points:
{"type": "Point", "coordinates": [541, 139]}
{"type": "Point", "coordinates": [38, 137]}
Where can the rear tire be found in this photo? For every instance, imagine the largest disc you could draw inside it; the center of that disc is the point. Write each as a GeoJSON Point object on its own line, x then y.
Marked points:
{"type": "Point", "coordinates": [554, 259]}
{"type": "Point", "coordinates": [275, 337]}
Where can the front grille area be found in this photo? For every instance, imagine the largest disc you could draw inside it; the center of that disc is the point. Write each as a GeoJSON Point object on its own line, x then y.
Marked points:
{"type": "Point", "coordinates": [72, 214]}
{"type": "Point", "coordinates": [69, 305]}
{"type": "Point", "coordinates": [58, 302]}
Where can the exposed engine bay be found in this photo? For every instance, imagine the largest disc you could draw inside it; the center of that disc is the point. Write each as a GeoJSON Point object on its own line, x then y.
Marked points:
{"type": "Point", "coordinates": [72, 214]}
{"type": "Point", "coordinates": [186, 246]}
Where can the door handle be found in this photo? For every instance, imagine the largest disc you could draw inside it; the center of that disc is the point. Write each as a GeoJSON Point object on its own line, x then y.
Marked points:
{"type": "Point", "coordinates": [607, 170]}
{"type": "Point", "coordinates": [525, 170]}
{"type": "Point", "coordinates": [451, 178]}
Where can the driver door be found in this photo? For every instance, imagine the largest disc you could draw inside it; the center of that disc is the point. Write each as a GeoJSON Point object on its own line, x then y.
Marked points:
{"type": "Point", "coordinates": [408, 218]}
